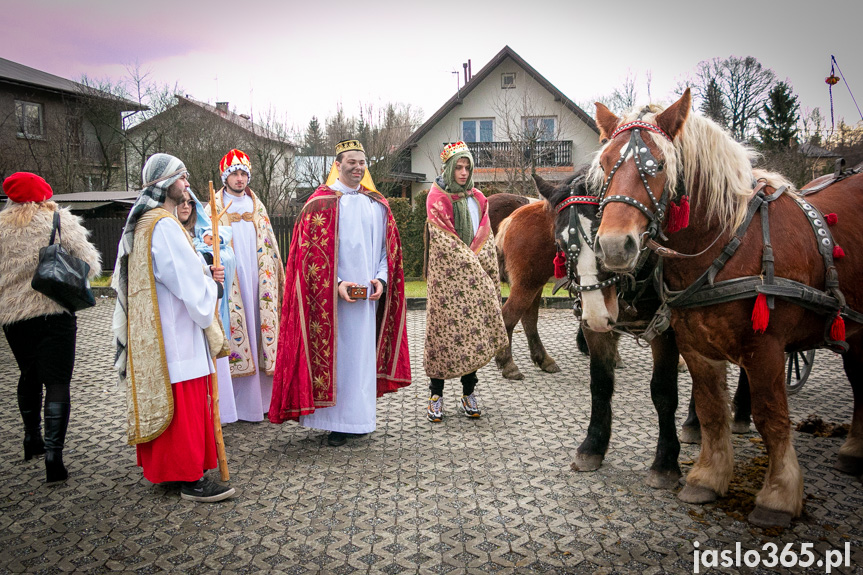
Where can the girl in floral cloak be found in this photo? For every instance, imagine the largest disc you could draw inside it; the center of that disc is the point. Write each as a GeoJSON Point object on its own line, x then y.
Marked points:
{"type": "Point", "coordinates": [464, 326]}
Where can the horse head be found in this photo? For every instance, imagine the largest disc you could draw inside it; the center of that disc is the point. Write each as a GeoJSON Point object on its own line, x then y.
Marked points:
{"type": "Point", "coordinates": [634, 168]}
{"type": "Point", "coordinates": [574, 211]}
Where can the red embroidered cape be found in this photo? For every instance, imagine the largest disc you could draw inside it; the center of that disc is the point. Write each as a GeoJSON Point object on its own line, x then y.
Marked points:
{"type": "Point", "coordinates": [305, 371]}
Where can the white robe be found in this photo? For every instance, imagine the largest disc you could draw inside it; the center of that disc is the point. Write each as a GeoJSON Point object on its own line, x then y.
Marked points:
{"type": "Point", "coordinates": [187, 302]}
{"type": "Point", "coordinates": [251, 393]}
{"type": "Point", "coordinates": [362, 257]}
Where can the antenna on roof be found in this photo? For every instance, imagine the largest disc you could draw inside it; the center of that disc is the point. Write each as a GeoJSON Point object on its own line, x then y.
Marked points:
{"type": "Point", "coordinates": [457, 84]}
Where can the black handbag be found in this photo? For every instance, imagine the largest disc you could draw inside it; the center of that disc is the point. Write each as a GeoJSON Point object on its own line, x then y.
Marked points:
{"type": "Point", "coordinates": [61, 276]}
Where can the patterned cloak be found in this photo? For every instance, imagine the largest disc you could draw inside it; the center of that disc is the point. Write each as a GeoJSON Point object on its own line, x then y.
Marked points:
{"type": "Point", "coordinates": [305, 375]}
{"type": "Point", "coordinates": [464, 325]}
{"type": "Point", "coordinates": [271, 280]}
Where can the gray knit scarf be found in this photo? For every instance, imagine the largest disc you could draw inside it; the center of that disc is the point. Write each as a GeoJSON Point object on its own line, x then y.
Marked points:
{"type": "Point", "coordinates": [160, 171]}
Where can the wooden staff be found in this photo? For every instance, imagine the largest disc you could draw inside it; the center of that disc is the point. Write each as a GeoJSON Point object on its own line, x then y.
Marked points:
{"type": "Point", "coordinates": [217, 420]}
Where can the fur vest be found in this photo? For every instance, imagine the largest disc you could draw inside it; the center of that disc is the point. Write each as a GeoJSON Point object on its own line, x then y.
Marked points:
{"type": "Point", "coordinates": [20, 243]}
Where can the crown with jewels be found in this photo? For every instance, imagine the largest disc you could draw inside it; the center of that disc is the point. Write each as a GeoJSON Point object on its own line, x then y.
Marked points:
{"type": "Point", "coordinates": [451, 150]}
{"type": "Point", "coordinates": [349, 146]}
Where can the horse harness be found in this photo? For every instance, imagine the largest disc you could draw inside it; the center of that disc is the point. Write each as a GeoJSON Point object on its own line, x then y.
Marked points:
{"type": "Point", "coordinates": [704, 290]}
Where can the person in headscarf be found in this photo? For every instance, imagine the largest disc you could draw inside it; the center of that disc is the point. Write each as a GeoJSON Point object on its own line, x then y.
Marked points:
{"type": "Point", "coordinates": [196, 221]}
{"type": "Point", "coordinates": [166, 329]}
{"type": "Point", "coordinates": [338, 353]}
{"type": "Point", "coordinates": [255, 296]}
{"type": "Point", "coordinates": [464, 325]}
{"type": "Point", "coordinates": [40, 331]}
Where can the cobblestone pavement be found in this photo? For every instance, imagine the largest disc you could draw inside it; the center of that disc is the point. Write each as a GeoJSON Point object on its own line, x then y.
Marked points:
{"type": "Point", "coordinates": [494, 495]}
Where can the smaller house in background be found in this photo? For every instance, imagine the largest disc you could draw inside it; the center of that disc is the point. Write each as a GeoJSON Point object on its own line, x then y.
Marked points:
{"type": "Point", "coordinates": [822, 159]}
{"type": "Point", "coordinates": [66, 132]}
{"type": "Point", "coordinates": [200, 134]}
{"type": "Point", "coordinates": [98, 204]}
{"type": "Point", "coordinates": [514, 121]}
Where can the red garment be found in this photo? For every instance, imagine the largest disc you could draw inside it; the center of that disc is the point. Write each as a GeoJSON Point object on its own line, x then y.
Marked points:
{"type": "Point", "coordinates": [24, 187]}
{"type": "Point", "coordinates": [187, 447]}
{"type": "Point", "coordinates": [305, 372]}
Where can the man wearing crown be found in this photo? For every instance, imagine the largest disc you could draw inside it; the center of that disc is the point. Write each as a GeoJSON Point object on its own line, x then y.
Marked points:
{"type": "Point", "coordinates": [339, 351]}
{"type": "Point", "coordinates": [464, 326]}
{"type": "Point", "coordinates": [255, 298]}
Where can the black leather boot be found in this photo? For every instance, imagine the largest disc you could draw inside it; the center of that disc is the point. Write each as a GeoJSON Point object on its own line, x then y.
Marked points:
{"type": "Point", "coordinates": [31, 415]}
{"type": "Point", "coordinates": [56, 423]}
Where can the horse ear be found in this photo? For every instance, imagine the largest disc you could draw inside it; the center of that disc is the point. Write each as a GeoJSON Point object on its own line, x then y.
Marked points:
{"type": "Point", "coordinates": [606, 121]}
{"type": "Point", "coordinates": [544, 188]}
{"type": "Point", "coordinates": [673, 118]}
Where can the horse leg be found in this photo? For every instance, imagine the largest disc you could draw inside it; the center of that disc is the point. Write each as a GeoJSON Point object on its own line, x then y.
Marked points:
{"type": "Point", "coordinates": [591, 452]}
{"type": "Point", "coordinates": [850, 459]}
{"type": "Point", "coordinates": [537, 351]}
{"type": "Point", "coordinates": [513, 310]}
{"type": "Point", "coordinates": [665, 471]}
{"type": "Point", "coordinates": [742, 405]}
{"type": "Point", "coordinates": [711, 474]}
{"type": "Point", "coordinates": [781, 495]}
{"type": "Point", "coordinates": [690, 432]}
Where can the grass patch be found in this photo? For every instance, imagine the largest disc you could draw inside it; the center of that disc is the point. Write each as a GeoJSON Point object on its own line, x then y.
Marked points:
{"type": "Point", "coordinates": [101, 281]}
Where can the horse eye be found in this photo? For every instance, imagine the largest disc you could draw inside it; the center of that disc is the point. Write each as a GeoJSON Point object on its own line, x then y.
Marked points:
{"type": "Point", "coordinates": [660, 167]}
{"type": "Point", "coordinates": [603, 141]}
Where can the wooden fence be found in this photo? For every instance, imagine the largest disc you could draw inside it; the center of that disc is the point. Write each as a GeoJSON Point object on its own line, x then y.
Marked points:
{"type": "Point", "coordinates": [105, 235]}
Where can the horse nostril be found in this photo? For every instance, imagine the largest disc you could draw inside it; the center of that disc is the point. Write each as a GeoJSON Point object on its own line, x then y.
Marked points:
{"type": "Point", "coordinates": [597, 248]}
{"type": "Point", "coordinates": [629, 246]}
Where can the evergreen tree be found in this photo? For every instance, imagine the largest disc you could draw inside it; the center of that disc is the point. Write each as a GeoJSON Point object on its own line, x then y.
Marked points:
{"type": "Point", "coordinates": [713, 105]}
{"type": "Point", "coordinates": [314, 138]}
{"type": "Point", "coordinates": [778, 126]}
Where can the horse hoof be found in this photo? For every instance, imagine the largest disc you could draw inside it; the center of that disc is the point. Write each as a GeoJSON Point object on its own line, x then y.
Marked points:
{"type": "Point", "coordinates": [740, 427]}
{"type": "Point", "coordinates": [662, 479]}
{"type": "Point", "coordinates": [549, 366]}
{"type": "Point", "coordinates": [512, 373]}
{"type": "Point", "coordinates": [763, 517]}
{"type": "Point", "coordinates": [690, 435]}
{"type": "Point", "coordinates": [849, 464]}
{"type": "Point", "coordinates": [586, 462]}
{"type": "Point", "coordinates": [696, 494]}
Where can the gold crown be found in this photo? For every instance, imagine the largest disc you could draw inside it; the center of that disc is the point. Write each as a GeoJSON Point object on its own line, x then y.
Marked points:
{"type": "Point", "coordinates": [349, 146]}
{"type": "Point", "coordinates": [451, 150]}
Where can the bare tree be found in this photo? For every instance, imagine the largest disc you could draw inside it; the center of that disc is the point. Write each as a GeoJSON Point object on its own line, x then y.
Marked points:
{"type": "Point", "coordinates": [744, 85]}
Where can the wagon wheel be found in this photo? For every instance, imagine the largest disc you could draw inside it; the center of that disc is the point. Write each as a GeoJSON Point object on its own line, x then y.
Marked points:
{"type": "Point", "coordinates": [798, 366]}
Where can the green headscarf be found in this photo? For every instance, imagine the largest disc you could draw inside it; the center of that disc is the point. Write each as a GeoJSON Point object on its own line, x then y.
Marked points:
{"type": "Point", "coordinates": [459, 194]}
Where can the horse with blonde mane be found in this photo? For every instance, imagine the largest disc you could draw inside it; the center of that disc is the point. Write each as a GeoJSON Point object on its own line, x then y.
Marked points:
{"type": "Point", "coordinates": [750, 268]}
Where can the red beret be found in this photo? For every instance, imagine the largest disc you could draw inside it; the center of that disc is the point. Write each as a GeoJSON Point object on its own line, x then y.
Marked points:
{"type": "Point", "coordinates": [26, 187]}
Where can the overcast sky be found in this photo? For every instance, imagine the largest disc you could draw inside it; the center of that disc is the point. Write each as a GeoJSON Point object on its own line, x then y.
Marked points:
{"type": "Point", "coordinates": [304, 58]}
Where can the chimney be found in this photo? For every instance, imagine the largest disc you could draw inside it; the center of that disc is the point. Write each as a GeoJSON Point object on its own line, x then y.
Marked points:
{"type": "Point", "coordinates": [222, 107]}
{"type": "Point", "coordinates": [464, 65]}
{"type": "Point", "coordinates": [469, 72]}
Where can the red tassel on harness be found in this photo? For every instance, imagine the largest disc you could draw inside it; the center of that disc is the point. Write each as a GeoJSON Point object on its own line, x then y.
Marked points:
{"type": "Point", "coordinates": [837, 330]}
{"type": "Point", "coordinates": [678, 215]}
{"type": "Point", "coordinates": [831, 219]}
{"type": "Point", "coordinates": [760, 314]}
{"type": "Point", "coordinates": [560, 265]}
{"type": "Point", "coordinates": [838, 252]}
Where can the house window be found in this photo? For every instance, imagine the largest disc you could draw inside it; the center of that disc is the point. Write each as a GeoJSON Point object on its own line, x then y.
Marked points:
{"type": "Point", "coordinates": [477, 130]}
{"type": "Point", "coordinates": [507, 80]}
{"type": "Point", "coordinates": [539, 128]}
{"type": "Point", "coordinates": [29, 115]}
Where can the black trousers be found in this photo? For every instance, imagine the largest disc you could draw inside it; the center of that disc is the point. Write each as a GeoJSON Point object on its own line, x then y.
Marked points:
{"type": "Point", "coordinates": [468, 384]}
{"type": "Point", "coordinates": [44, 348]}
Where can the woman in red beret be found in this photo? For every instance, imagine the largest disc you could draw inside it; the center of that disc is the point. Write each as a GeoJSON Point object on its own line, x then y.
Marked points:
{"type": "Point", "coordinates": [40, 332]}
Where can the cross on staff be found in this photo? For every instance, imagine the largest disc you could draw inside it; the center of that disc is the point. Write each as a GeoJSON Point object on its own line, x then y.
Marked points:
{"type": "Point", "coordinates": [217, 421]}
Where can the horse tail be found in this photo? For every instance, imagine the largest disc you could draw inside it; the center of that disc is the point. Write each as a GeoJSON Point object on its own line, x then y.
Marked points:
{"type": "Point", "coordinates": [499, 241]}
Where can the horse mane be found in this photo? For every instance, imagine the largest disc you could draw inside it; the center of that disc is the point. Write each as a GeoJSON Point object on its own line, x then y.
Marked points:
{"type": "Point", "coordinates": [705, 156]}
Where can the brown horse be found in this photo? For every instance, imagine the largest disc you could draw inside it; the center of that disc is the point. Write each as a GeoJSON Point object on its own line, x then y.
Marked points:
{"type": "Point", "coordinates": [533, 237]}
{"type": "Point", "coordinates": [654, 157]}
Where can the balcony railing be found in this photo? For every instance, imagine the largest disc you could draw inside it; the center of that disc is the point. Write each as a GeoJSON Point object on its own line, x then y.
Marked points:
{"type": "Point", "coordinates": [541, 154]}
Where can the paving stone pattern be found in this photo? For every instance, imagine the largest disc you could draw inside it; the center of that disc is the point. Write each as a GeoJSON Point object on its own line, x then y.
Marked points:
{"type": "Point", "coordinates": [494, 495]}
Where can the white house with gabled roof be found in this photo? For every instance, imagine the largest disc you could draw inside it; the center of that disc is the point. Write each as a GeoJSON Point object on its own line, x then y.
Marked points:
{"type": "Point", "coordinates": [515, 123]}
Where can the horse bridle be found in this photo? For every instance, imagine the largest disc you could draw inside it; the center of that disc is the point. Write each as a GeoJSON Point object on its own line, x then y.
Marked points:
{"type": "Point", "coordinates": [575, 237]}
{"type": "Point", "coordinates": [647, 165]}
